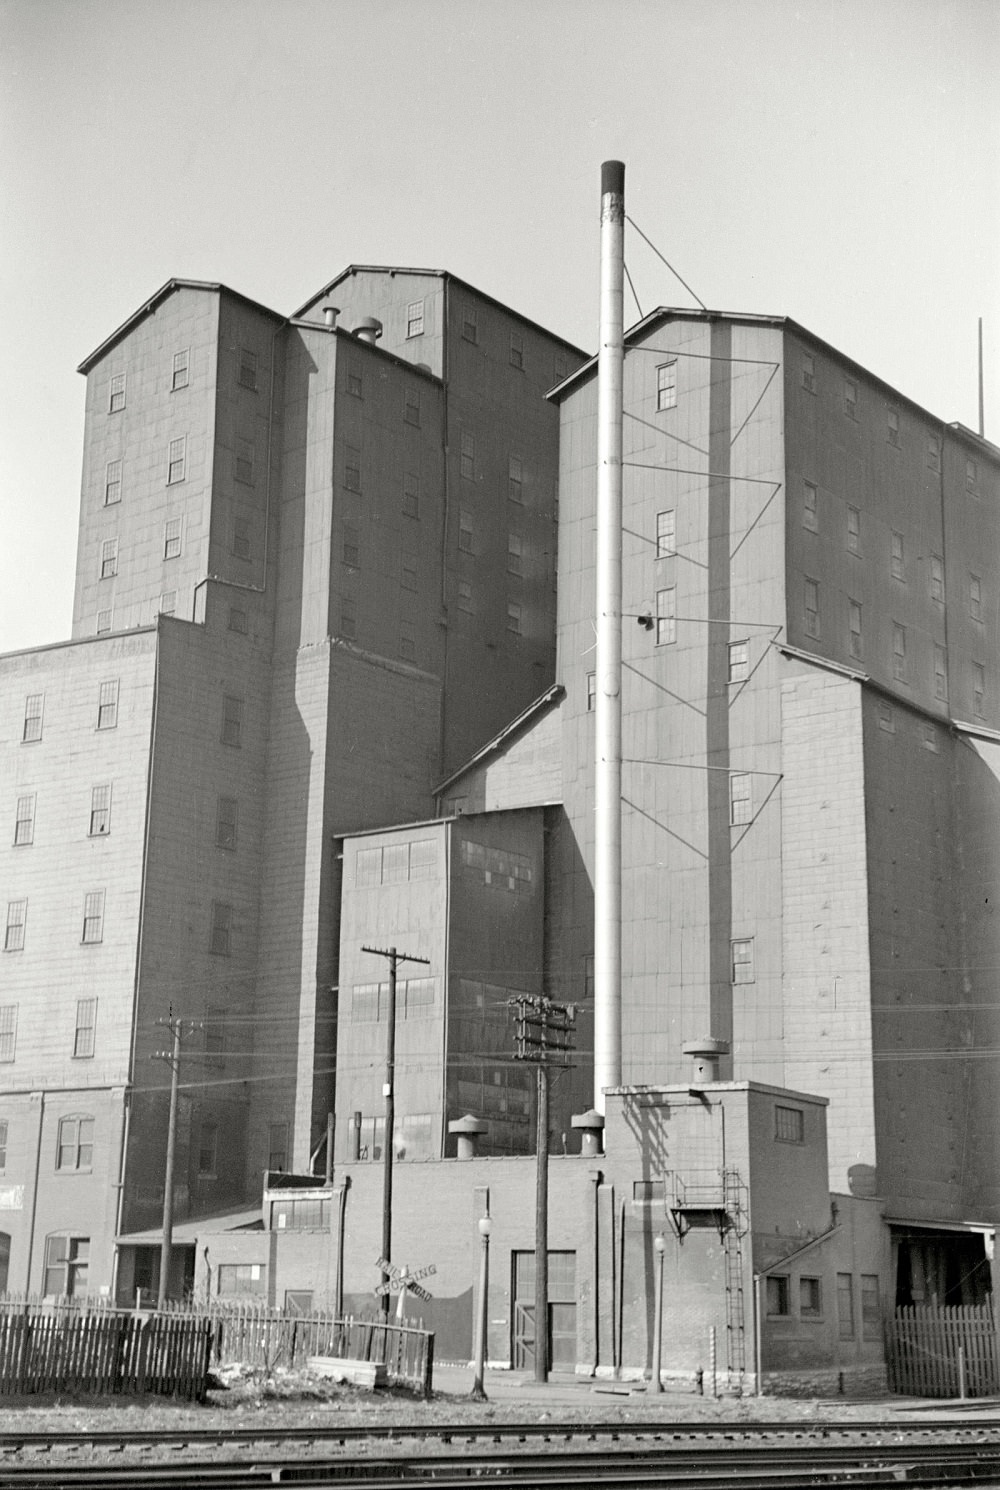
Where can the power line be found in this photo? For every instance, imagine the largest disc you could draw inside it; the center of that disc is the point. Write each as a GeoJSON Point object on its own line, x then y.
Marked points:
{"type": "Point", "coordinates": [670, 266]}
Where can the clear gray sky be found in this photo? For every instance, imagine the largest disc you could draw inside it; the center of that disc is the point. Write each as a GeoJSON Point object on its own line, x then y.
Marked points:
{"type": "Point", "coordinates": [831, 160]}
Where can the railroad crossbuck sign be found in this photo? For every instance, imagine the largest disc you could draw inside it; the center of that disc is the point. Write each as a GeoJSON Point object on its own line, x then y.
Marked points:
{"type": "Point", "coordinates": [402, 1280]}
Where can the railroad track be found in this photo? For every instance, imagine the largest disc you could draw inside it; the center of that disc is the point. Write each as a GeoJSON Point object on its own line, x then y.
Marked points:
{"type": "Point", "coordinates": [768, 1456]}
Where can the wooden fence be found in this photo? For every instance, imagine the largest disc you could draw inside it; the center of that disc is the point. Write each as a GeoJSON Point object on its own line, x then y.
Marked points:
{"type": "Point", "coordinates": [70, 1347]}
{"type": "Point", "coordinates": [938, 1350]}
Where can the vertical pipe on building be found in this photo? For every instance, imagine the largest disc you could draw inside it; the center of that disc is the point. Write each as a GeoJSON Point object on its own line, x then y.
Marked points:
{"type": "Point", "coordinates": [608, 721]}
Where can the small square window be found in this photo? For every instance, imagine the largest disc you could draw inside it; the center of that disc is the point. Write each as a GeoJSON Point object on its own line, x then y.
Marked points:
{"type": "Point", "coordinates": [105, 621]}
{"type": "Point", "coordinates": [930, 740]}
{"type": "Point", "coordinates": [179, 373]}
{"type": "Point", "coordinates": [243, 458]}
{"type": "Point", "coordinates": [411, 407]}
{"type": "Point", "coordinates": [514, 618]}
{"type": "Point", "coordinates": [238, 620]}
{"type": "Point", "coordinates": [414, 319]}
{"type": "Point", "coordinates": [167, 603]}
{"type": "Point", "coordinates": [32, 717]}
{"type": "Point", "coordinates": [8, 1050]}
{"type": "Point", "coordinates": [470, 324]}
{"type": "Point", "coordinates": [226, 820]}
{"type": "Point", "coordinates": [897, 562]}
{"type": "Point", "coordinates": [107, 704]}
{"type": "Point", "coordinates": [971, 475]}
{"type": "Point", "coordinates": [810, 606]}
{"type": "Point", "coordinates": [777, 1295]}
{"type": "Point", "coordinates": [810, 506]}
{"type": "Point", "coordinates": [411, 495]}
{"type": "Point", "coordinates": [242, 546]}
{"type": "Point", "coordinates": [232, 720]}
{"type": "Point", "coordinates": [937, 579]}
{"type": "Point", "coordinates": [465, 596]}
{"type": "Point", "coordinates": [93, 918]}
{"type": "Point", "coordinates": [516, 350]}
{"type": "Point", "coordinates": [172, 538]}
{"type": "Point", "coordinates": [351, 551]}
{"type": "Point", "coordinates": [348, 618]}
{"type": "Point", "coordinates": [515, 555]}
{"type": "Point", "coordinates": [17, 914]}
{"type": "Point", "coordinates": [810, 1298]}
{"type": "Point", "coordinates": [116, 400]}
{"type": "Point", "coordinates": [854, 621]}
{"type": "Point", "coordinates": [809, 372]}
{"type": "Point", "coordinates": [740, 798]}
{"type": "Point", "coordinates": [898, 652]}
{"type": "Point", "coordinates": [100, 811]}
{"type": "Point", "coordinates": [934, 452]}
{"type": "Point", "coordinates": [742, 960]}
{"type": "Point", "coordinates": [940, 674]}
{"type": "Point", "coordinates": [515, 489]}
{"type": "Point", "coordinates": [789, 1124]}
{"type": "Point", "coordinates": [645, 1192]}
{"type": "Point", "coordinates": [886, 719]}
{"type": "Point", "coordinates": [467, 460]}
{"type": "Point", "coordinates": [892, 427]}
{"type": "Point", "coordinates": [355, 385]}
{"type": "Point", "coordinates": [24, 821]}
{"type": "Point", "coordinates": [975, 597]}
{"type": "Point", "coordinates": [220, 940]}
{"type": "Point", "coordinates": [465, 531]}
{"type": "Point", "coordinates": [666, 385]}
{"type": "Point", "coordinates": [247, 373]}
{"type": "Point", "coordinates": [591, 692]}
{"type": "Point", "coordinates": [352, 468]}
{"type": "Point", "coordinates": [176, 458]}
{"type": "Point", "coordinates": [850, 399]}
{"type": "Point", "coordinates": [112, 483]}
{"type": "Point", "coordinates": [666, 617]}
{"type": "Point", "coordinates": [109, 558]}
{"type": "Point", "coordinates": [85, 1036]}
{"type": "Point", "coordinates": [666, 534]}
{"type": "Point", "coordinates": [739, 661]}
{"type": "Point", "coordinates": [408, 571]}
{"type": "Point", "coordinates": [75, 1151]}
{"type": "Point", "coordinates": [277, 1142]}
{"type": "Point", "coordinates": [853, 530]}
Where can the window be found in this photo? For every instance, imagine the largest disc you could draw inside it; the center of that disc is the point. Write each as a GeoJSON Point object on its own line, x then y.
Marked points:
{"type": "Point", "coordinates": [408, 571]}
{"type": "Point", "coordinates": [810, 506]}
{"type": "Point", "coordinates": [109, 558]}
{"type": "Point", "coordinates": [241, 545]}
{"type": "Point", "coordinates": [167, 604]}
{"type": "Point", "coordinates": [810, 602]}
{"type": "Point", "coordinates": [75, 1148]}
{"type": "Point", "coordinates": [898, 652]}
{"type": "Point", "coordinates": [871, 1314]}
{"type": "Point", "coordinates": [32, 717]}
{"type": "Point", "coordinates": [351, 551]}
{"type": "Point", "coordinates": [411, 495]}
{"type": "Point", "coordinates": [4, 1129]}
{"type": "Point", "coordinates": [208, 1149]}
{"type": "Point", "coordinates": [423, 859]}
{"type": "Point", "coordinates": [975, 597]}
{"type": "Point", "coordinates": [220, 940]}
{"type": "Point", "coordinates": [247, 374]}
{"type": "Point", "coordinates": [411, 407]}
{"type": "Point", "coordinates": [892, 427]}
{"type": "Point", "coordinates": [100, 810]}
{"type": "Point", "coordinates": [116, 399]}
{"type": "Point", "coordinates": [591, 692]}
{"type": "Point", "coordinates": [515, 490]}
{"type": "Point", "coordinates": [789, 1124]}
{"type": "Point", "coordinates": [666, 385]}
{"type": "Point", "coordinates": [172, 538]}
{"type": "Point", "coordinates": [850, 399]}
{"type": "Point", "coordinates": [243, 457]}
{"type": "Point", "coordinates": [24, 820]}
{"type": "Point", "coordinates": [513, 618]}
{"type": "Point", "coordinates": [742, 960]}
{"type": "Point", "coordinates": [666, 617]}
{"type": "Point", "coordinates": [215, 1038]}
{"type": "Point", "coordinates": [971, 475]}
{"type": "Point", "coordinates": [937, 579]}
{"type": "Point", "coordinates": [467, 459]}
{"type": "Point", "coordinates": [810, 1298]}
{"type": "Point", "coordinates": [407, 643]}
{"type": "Point", "coordinates": [105, 621]}
{"type": "Point", "coordinates": [465, 531]}
{"type": "Point", "coordinates": [414, 319]}
{"type": "Point", "coordinates": [645, 1192]}
{"type": "Point", "coordinates": [777, 1295]}
{"type": "Point", "coordinates": [112, 483]}
{"type": "Point", "coordinates": [740, 798]}
{"type": "Point", "coordinates": [179, 373]}
{"type": "Point", "coordinates": [809, 372]}
{"type": "Point", "coordinates": [226, 818]}
{"type": "Point", "coordinates": [897, 563]}
{"type": "Point", "coordinates": [232, 720]}
{"type": "Point", "coordinates": [348, 618]}
{"type": "Point", "coordinates": [516, 350]}
{"type": "Point", "coordinates": [886, 721]}
{"type": "Point", "coordinates": [66, 1259]}
{"type": "Point", "coordinates": [8, 1046]}
{"type": "Point", "coordinates": [739, 661]}
{"type": "Point", "coordinates": [930, 740]}
{"type": "Point", "coordinates": [176, 455]}
{"type": "Point", "coordinates": [355, 385]}
{"type": "Point", "coordinates": [470, 326]}
{"type": "Point", "coordinates": [107, 705]}
{"type": "Point", "coordinates": [238, 620]}
{"type": "Point", "coordinates": [93, 918]}
{"type": "Point", "coordinates": [238, 1278]}
{"type": "Point", "coordinates": [352, 468]}
{"type": "Point", "coordinates": [855, 639]}
{"type": "Point", "coordinates": [853, 530]}
{"type": "Point", "coordinates": [666, 534]}
{"type": "Point", "coordinates": [17, 911]}
{"type": "Point", "coordinates": [86, 1028]}
{"type": "Point", "coordinates": [845, 1306]}
{"type": "Point", "coordinates": [277, 1146]}
{"type": "Point", "coordinates": [934, 452]}
{"type": "Point", "coordinates": [940, 673]}
{"type": "Point", "coordinates": [515, 556]}
{"type": "Point", "coordinates": [979, 690]}
{"type": "Point", "coordinates": [465, 596]}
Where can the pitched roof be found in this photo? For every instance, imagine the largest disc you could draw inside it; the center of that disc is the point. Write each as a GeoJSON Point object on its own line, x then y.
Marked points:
{"type": "Point", "coordinates": [146, 309]}
{"type": "Point", "coordinates": [551, 696]}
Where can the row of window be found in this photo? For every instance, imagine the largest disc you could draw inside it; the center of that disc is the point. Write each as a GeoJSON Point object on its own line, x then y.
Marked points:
{"type": "Point", "coordinates": [99, 820]}
{"type": "Point", "coordinates": [394, 863]}
{"type": "Point", "coordinates": [243, 468]}
{"type": "Point", "coordinates": [240, 544]}
{"type": "Point", "coordinates": [514, 622]}
{"type": "Point", "coordinates": [84, 1038]}
{"type": "Point", "coordinates": [91, 934]}
{"type": "Point", "coordinates": [415, 324]}
{"type": "Point", "coordinates": [414, 997]}
{"type": "Point", "coordinates": [810, 1303]}
{"type": "Point", "coordinates": [247, 368]}
{"type": "Point", "coordinates": [107, 712]}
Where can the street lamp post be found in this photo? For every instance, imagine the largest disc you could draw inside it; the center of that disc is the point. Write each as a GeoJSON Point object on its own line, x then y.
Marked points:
{"type": "Point", "coordinates": [478, 1393]}
{"type": "Point", "coordinates": [659, 1246]}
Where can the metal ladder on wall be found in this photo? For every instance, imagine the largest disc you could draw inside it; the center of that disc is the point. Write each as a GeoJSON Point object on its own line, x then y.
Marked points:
{"type": "Point", "coordinates": [734, 1192]}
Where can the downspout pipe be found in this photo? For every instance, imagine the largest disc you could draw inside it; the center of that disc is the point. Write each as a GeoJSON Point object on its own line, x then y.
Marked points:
{"type": "Point", "coordinates": [608, 705]}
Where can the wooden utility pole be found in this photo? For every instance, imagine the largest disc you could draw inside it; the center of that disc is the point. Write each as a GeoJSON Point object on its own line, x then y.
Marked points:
{"type": "Point", "coordinates": [173, 1059]}
{"type": "Point", "coordinates": [388, 1092]}
{"type": "Point", "coordinates": [543, 1036]}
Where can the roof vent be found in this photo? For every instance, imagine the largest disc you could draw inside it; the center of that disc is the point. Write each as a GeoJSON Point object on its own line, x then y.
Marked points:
{"type": "Point", "coordinates": [705, 1055]}
{"type": "Point", "coordinates": [368, 330]}
{"type": "Point", "coordinates": [330, 314]}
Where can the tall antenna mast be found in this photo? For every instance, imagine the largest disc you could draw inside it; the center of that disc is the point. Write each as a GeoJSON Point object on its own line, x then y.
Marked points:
{"type": "Point", "coordinates": [608, 700]}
